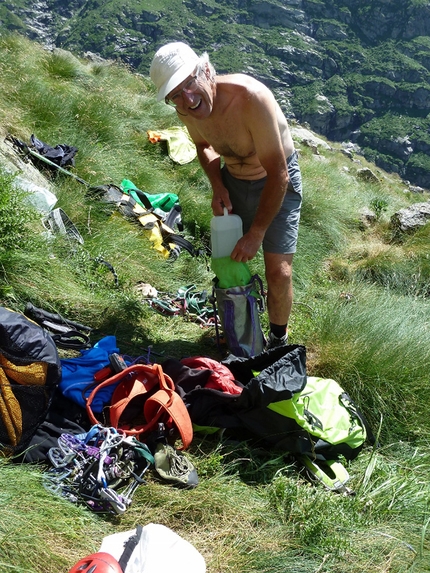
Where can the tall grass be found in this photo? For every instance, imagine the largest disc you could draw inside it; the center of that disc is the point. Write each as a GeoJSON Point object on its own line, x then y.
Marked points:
{"type": "Point", "coordinates": [361, 308]}
{"type": "Point", "coordinates": [377, 345]}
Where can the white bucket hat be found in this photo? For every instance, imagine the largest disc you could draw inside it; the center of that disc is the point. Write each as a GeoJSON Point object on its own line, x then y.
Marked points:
{"type": "Point", "coordinates": [171, 65]}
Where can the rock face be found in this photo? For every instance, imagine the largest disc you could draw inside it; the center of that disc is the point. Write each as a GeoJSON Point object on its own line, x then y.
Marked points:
{"type": "Point", "coordinates": [411, 218]}
{"type": "Point", "coordinates": [26, 177]}
{"type": "Point", "coordinates": [12, 163]}
{"type": "Point", "coordinates": [306, 137]}
{"type": "Point", "coordinates": [340, 65]}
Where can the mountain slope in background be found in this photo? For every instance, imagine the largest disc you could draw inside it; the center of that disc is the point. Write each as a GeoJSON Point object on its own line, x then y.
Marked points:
{"type": "Point", "coordinates": [357, 71]}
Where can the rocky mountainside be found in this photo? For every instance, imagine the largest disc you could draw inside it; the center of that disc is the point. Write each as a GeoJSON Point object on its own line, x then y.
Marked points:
{"type": "Point", "coordinates": [354, 71]}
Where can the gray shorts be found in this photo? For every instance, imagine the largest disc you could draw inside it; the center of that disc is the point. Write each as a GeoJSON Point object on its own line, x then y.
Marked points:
{"type": "Point", "coordinates": [281, 235]}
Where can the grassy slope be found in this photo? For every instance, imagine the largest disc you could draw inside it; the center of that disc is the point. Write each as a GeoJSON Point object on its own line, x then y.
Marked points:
{"type": "Point", "coordinates": [361, 309]}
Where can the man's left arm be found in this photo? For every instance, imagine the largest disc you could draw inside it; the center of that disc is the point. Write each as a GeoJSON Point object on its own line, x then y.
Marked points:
{"type": "Point", "coordinates": [264, 129]}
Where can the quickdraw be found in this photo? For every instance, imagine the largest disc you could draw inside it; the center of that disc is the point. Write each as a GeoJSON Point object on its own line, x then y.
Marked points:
{"type": "Point", "coordinates": [101, 469]}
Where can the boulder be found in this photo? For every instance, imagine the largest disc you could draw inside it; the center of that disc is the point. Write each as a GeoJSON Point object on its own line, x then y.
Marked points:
{"type": "Point", "coordinates": [411, 218]}
{"type": "Point", "coordinates": [367, 174]}
{"type": "Point", "coordinates": [308, 138]}
{"type": "Point", "coordinates": [27, 177]}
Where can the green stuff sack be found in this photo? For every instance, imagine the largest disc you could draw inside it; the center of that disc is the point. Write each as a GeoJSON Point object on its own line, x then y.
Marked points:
{"type": "Point", "coordinates": [162, 201]}
{"type": "Point", "coordinates": [230, 273]}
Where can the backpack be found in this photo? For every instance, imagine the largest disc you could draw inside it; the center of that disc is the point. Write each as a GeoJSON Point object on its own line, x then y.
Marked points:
{"type": "Point", "coordinates": [295, 412]}
{"type": "Point", "coordinates": [30, 370]}
{"type": "Point", "coordinates": [311, 418]}
{"type": "Point", "coordinates": [238, 308]}
{"type": "Point", "coordinates": [158, 228]}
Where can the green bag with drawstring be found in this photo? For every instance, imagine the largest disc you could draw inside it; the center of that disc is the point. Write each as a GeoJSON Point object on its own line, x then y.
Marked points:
{"type": "Point", "coordinates": [162, 201]}
{"type": "Point", "coordinates": [230, 273]}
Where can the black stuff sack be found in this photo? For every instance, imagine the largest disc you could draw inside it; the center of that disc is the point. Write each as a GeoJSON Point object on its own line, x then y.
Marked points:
{"type": "Point", "coordinates": [279, 407]}
{"type": "Point", "coordinates": [30, 370]}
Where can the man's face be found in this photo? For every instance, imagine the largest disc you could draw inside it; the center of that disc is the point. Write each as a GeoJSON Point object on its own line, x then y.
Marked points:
{"type": "Point", "coordinates": [192, 97]}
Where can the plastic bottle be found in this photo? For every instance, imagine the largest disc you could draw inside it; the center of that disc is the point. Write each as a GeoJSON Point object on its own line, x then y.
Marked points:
{"type": "Point", "coordinates": [226, 230]}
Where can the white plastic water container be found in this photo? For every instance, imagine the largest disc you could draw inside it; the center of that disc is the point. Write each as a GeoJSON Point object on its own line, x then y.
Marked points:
{"type": "Point", "coordinates": [226, 230]}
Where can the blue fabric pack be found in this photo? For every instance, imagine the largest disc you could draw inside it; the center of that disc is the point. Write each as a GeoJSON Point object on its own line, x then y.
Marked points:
{"type": "Point", "coordinates": [77, 378]}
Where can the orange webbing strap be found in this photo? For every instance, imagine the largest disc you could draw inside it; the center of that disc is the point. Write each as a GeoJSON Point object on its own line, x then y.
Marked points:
{"type": "Point", "coordinates": [173, 404]}
{"type": "Point", "coordinates": [139, 380]}
{"type": "Point", "coordinates": [136, 384]}
{"type": "Point", "coordinates": [125, 375]}
{"type": "Point", "coordinates": [167, 400]}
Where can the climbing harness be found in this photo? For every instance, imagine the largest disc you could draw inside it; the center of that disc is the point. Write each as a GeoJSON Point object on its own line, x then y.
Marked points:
{"type": "Point", "coordinates": [101, 468]}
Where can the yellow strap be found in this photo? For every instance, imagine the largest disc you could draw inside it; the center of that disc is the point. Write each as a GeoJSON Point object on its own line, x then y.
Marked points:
{"type": "Point", "coordinates": [10, 410]}
{"type": "Point", "coordinates": [28, 375]}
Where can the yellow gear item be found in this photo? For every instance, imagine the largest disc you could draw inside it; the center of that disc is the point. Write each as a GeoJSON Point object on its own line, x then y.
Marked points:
{"type": "Point", "coordinates": [10, 409]}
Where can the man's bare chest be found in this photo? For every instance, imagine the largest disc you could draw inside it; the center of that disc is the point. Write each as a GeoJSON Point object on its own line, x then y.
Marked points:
{"type": "Point", "coordinates": [228, 138]}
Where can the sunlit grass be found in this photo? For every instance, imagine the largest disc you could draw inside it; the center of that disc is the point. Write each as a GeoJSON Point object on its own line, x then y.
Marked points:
{"type": "Point", "coordinates": [361, 308]}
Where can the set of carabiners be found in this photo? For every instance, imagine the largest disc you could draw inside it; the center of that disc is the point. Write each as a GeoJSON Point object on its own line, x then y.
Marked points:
{"type": "Point", "coordinates": [101, 468]}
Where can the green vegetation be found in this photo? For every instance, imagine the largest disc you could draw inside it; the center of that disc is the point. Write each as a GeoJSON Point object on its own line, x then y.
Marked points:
{"type": "Point", "coordinates": [300, 50]}
{"type": "Point", "coordinates": [361, 308]}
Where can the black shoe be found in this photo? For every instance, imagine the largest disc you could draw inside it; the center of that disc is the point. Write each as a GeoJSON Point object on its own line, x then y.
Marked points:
{"type": "Point", "coordinates": [275, 342]}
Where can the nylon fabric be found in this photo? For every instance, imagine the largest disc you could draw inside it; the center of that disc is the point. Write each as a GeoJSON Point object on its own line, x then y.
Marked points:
{"type": "Point", "coordinates": [320, 411]}
{"type": "Point", "coordinates": [281, 407]}
{"type": "Point", "coordinates": [10, 411]}
{"type": "Point", "coordinates": [78, 373]}
{"type": "Point", "coordinates": [30, 371]}
{"type": "Point", "coordinates": [180, 146]}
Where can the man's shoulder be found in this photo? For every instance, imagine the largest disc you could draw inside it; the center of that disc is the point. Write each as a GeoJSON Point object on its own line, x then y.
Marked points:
{"type": "Point", "coordinates": [240, 80]}
{"type": "Point", "coordinates": [243, 88]}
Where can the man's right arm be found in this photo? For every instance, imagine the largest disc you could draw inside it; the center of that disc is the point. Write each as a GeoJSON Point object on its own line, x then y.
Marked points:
{"type": "Point", "coordinates": [210, 161]}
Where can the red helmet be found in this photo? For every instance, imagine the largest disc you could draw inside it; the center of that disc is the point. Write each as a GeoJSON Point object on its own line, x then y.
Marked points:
{"type": "Point", "coordinates": [97, 563]}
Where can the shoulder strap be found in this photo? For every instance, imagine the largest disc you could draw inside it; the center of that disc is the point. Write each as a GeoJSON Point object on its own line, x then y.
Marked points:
{"type": "Point", "coordinates": [39, 315]}
{"type": "Point", "coordinates": [370, 437]}
{"type": "Point", "coordinates": [181, 242]}
{"type": "Point", "coordinates": [141, 197]}
{"type": "Point", "coordinates": [129, 546]}
{"type": "Point", "coordinates": [72, 339]}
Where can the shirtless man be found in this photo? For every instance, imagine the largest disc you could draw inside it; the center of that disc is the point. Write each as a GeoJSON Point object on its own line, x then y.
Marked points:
{"type": "Point", "coordinates": [236, 118]}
